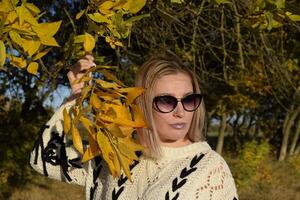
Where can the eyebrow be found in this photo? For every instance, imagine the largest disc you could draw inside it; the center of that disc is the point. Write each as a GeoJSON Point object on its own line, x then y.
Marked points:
{"type": "Point", "coordinates": [171, 94]}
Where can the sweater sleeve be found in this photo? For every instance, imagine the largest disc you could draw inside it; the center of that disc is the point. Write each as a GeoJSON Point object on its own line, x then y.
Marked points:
{"type": "Point", "coordinates": [53, 157]}
{"type": "Point", "coordinates": [218, 183]}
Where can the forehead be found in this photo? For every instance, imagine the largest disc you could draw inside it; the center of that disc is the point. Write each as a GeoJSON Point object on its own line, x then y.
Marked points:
{"type": "Point", "coordinates": [176, 84]}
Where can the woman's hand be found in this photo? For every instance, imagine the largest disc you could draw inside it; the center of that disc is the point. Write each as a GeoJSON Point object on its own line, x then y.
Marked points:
{"type": "Point", "coordinates": [77, 71]}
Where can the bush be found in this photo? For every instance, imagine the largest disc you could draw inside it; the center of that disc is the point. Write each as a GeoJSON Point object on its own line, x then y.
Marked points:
{"type": "Point", "coordinates": [251, 165]}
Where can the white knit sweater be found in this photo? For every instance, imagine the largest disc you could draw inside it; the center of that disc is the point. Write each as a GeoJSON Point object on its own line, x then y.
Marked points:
{"type": "Point", "coordinates": [191, 172]}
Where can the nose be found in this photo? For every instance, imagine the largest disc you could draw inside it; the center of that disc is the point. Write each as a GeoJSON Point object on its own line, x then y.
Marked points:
{"type": "Point", "coordinates": [179, 110]}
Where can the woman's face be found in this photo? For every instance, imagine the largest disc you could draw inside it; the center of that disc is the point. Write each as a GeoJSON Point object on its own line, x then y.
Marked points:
{"type": "Point", "coordinates": [172, 127]}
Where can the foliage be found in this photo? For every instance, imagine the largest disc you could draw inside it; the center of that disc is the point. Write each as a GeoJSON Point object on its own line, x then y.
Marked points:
{"type": "Point", "coordinates": [251, 165]}
{"type": "Point", "coordinates": [23, 39]}
{"type": "Point", "coordinates": [107, 111]}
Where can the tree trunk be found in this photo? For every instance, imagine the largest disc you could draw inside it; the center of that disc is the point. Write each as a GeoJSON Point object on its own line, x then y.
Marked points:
{"type": "Point", "coordinates": [290, 118]}
{"type": "Point", "coordinates": [295, 139]}
{"type": "Point", "coordinates": [221, 134]}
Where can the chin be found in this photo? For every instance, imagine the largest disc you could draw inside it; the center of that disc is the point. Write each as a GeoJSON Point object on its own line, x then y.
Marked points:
{"type": "Point", "coordinates": [175, 135]}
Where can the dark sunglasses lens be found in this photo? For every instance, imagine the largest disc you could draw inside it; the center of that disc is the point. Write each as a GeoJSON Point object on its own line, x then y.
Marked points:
{"type": "Point", "coordinates": [191, 102]}
{"type": "Point", "coordinates": [165, 103]}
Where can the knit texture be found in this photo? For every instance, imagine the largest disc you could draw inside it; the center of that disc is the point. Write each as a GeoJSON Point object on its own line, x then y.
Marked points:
{"type": "Point", "coordinates": [191, 172]}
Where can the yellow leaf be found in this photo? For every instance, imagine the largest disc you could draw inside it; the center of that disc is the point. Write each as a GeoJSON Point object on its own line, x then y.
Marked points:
{"type": "Point", "coordinates": [106, 84]}
{"type": "Point", "coordinates": [134, 5]}
{"type": "Point", "coordinates": [47, 29]}
{"type": "Point", "coordinates": [126, 130]}
{"type": "Point", "coordinates": [85, 92]}
{"type": "Point", "coordinates": [79, 15]}
{"type": "Point", "coordinates": [2, 53]}
{"type": "Point", "coordinates": [11, 17]}
{"type": "Point", "coordinates": [138, 116]}
{"type": "Point", "coordinates": [93, 149]}
{"type": "Point", "coordinates": [132, 93]}
{"type": "Point", "coordinates": [18, 61]}
{"type": "Point", "coordinates": [114, 130]}
{"type": "Point", "coordinates": [125, 163]}
{"type": "Point", "coordinates": [95, 102]}
{"type": "Point", "coordinates": [109, 96]}
{"type": "Point", "coordinates": [128, 148]}
{"type": "Point", "coordinates": [108, 152]}
{"type": "Point", "coordinates": [88, 125]}
{"type": "Point", "coordinates": [40, 55]}
{"type": "Point", "coordinates": [97, 17]}
{"type": "Point", "coordinates": [131, 144]}
{"type": "Point", "coordinates": [89, 42]}
{"type": "Point", "coordinates": [6, 6]}
{"type": "Point", "coordinates": [31, 46]}
{"type": "Point", "coordinates": [16, 37]}
{"type": "Point", "coordinates": [77, 142]}
{"type": "Point", "coordinates": [106, 7]}
{"type": "Point", "coordinates": [49, 41]}
{"type": "Point", "coordinates": [23, 29]}
{"type": "Point", "coordinates": [25, 15]}
{"type": "Point", "coordinates": [33, 68]}
{"type": "Point", "coordinates": [33, 8]}
{"type": "Point", "coordinates": [123, 117]}
{"type": "Point", "coordinates": [67, 121]}
{"type": "Point", "coordinates": [91, 152]}
{"type": "Point", "coordinates": [111, 77]}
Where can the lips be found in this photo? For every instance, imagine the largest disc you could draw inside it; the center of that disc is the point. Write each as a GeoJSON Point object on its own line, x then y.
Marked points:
{"type": "Point", "coordinates": [178, 125]}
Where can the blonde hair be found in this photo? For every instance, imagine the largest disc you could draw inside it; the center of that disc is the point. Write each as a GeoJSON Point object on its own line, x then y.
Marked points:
{"type": "Point", "coordinates": [147, 76]}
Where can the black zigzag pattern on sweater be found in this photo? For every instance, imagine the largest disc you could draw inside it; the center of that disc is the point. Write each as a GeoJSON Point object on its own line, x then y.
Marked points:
{"type": "Point", "coordinates": [122, 180]}
{"type": "Point", "coordinates": [178, 182]}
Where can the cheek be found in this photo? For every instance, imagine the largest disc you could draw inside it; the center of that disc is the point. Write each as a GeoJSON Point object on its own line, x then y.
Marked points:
{"type": "Point", "coordinates": [161, 119]}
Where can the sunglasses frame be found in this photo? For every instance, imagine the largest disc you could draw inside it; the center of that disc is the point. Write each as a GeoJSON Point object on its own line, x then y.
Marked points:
{"type": "Point", "coordinates": [155, 106]}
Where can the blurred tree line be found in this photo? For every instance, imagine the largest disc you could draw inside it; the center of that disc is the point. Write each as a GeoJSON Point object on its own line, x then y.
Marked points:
{"type": "Point", "coordinates": [245, 53]}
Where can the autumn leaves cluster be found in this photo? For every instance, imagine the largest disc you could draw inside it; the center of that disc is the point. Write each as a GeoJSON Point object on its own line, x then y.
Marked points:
{"type": "Point", "coordinates": [109, 116]}
{"type": "Point", "coordinates": [106, 107]}
{"type": "Point", "coordinates": [24, 40]}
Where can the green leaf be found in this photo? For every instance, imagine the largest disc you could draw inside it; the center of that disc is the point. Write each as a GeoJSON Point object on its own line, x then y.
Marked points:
{"type": "Point", "coordinates": [295, 18]}
{"type": "Point", "coordinates": [177, 1]}
{"type": "Point", "coordinates": [2, 53]}
{"type": "Point", "coordinates": [137, 18]}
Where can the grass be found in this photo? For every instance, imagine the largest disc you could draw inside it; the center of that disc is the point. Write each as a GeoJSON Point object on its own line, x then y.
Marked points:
{"type": "Point", "coordinates": [43, 188]}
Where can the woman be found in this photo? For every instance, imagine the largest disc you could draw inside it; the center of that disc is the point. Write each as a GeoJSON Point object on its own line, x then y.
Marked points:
{"type": "Point", "coordinates": [177, 163]}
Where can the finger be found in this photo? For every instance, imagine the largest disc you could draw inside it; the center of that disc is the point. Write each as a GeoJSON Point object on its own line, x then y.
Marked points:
{"type": "Point", "coordinates": [71, 76]}
{"type": "Point", "coordinates": [82, 65]}
{"type": "Point", "coordinates": [89, 57]}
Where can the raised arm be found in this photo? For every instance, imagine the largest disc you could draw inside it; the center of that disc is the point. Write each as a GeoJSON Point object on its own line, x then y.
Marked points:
{"type": "Point", "coordinates": [51, 155]}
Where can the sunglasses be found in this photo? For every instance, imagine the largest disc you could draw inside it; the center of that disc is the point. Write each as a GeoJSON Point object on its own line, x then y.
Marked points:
{"type": "Point", "coordinates": [167, 103]}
